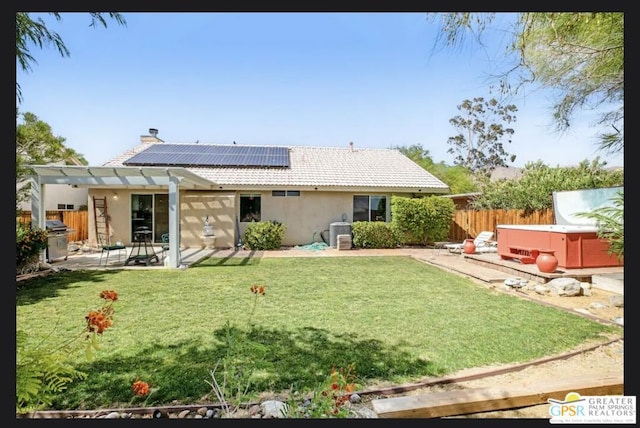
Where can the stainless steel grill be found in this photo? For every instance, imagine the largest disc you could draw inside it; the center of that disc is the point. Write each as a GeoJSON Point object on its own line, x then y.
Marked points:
{"type": "Point", "coordinates": [57, 240]}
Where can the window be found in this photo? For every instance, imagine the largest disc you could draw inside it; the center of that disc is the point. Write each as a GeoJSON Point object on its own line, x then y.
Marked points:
{"type": "Point", "coordinates": [69, 206]}
{"type": "Point", "coordinates": [285, 193]}
{"type": "Point", "coordinates": [61, 206]}
{"type": "Point", "coordinates": [250, 208]}
{"type": "Point", "coordinates": [369, 208]}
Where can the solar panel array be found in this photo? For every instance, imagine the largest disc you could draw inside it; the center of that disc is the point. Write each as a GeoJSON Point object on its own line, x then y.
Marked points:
{"type": "Point", "coordinates": [210, 155]}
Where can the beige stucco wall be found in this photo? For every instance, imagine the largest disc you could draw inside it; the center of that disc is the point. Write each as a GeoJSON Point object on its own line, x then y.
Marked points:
{"type": "Point", "coordinates": [195, 206]}
{"type": "Point", "coordinates": [304, 216]}
{"type": "Point", "coordinates": [307, 215]}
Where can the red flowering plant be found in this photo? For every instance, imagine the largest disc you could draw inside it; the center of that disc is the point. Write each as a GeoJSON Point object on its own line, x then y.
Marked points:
{"type": "Point", "coordinates": [231, 383]}
{"type": "Point", "coordinates": [29, 243]}
{"type": "Point", "coordinates": [257, 290]}
{"type": "Point", "coordinates": [330, 400]}
{"type": "Point", "coordinates": [42, 371]}
{"type": "Point", "coordinates": [140, 388]}
{"type": "Point", "coordinates": [98, 321]}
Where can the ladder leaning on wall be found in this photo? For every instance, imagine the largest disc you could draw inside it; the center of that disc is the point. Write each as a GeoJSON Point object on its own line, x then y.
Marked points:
{"type": "Point", "coordinates": [101, 220]}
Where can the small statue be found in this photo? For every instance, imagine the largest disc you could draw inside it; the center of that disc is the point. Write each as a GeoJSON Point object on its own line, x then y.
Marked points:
{"type": "Point", "coordinates": [206, 221]}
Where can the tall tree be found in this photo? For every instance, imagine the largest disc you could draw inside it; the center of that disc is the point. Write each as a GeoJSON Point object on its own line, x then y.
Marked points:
{"type": "Point", "coordinates": [35, 32]}
{"type": "Point", "coordinates": [36, 145]}
{"type": "Point", "coordinates": [578, 55]}
{"type": "Point", "coordinates": [481, 133]}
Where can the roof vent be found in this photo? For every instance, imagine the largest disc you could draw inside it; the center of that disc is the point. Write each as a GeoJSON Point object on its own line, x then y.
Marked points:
{"type": "Point", "coordinates": [153, 132]}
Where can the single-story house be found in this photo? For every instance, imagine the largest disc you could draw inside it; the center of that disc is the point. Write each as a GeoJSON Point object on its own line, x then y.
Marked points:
{"type": "Point", "coordinates": [179, 188]}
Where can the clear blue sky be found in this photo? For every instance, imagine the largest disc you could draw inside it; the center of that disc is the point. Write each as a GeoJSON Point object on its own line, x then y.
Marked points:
{"type": "Point", "coordinates": [317, 79]}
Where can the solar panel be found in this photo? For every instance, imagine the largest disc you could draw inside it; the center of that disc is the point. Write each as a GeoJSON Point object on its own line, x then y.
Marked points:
{"type": "Point", "coordinates": [210, 155]}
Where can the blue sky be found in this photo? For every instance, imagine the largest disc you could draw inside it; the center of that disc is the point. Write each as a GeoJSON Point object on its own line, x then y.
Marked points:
{"type": "Point", "coordinates": [316, 79]}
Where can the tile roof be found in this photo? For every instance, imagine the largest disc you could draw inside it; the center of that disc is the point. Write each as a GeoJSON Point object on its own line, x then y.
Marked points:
{"type": "Point", "coordinates": [334, 167]}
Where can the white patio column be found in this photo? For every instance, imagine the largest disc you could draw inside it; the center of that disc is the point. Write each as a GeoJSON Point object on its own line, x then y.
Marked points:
{"type": "Point", "coordinates": [174, 222]}
{"type": "Point", "coordinates": [38, 214]}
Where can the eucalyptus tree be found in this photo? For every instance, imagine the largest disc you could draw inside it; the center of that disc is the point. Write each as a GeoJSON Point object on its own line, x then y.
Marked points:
{"type": "Point", "coordinates": [483, 129]}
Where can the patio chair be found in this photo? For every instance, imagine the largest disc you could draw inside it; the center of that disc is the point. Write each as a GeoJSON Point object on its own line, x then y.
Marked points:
{"type": "Point", "coordinates": [104, 240]}
{"type": "Point", "coordinates": [165, 246]}
{"type": "Point", "coordinates": [483, 243]}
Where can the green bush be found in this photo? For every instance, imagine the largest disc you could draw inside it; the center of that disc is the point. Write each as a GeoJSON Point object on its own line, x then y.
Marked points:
{"type": "Point", "coordinates": [264, 235]}
{"type": "Point", "coordinates": [422, 220]}
{"type": "Point", "coordinates": [374, 234]}
{"type": "Point", "coordinates": [29, 242]}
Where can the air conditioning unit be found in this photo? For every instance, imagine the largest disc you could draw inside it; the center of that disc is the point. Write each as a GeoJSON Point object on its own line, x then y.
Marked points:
{"type": "Point", "coordinates": [338, 228]}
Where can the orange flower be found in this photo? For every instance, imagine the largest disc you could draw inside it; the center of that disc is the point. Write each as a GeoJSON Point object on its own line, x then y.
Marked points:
{"type": "Point", "coordinates": [98, 321]}
{"type": "Point", "coordinates": [140, 387]}
{"type": "Point", "coordinates": [109, 295]}
{"type": "Point", "coordinates": [258, 289]}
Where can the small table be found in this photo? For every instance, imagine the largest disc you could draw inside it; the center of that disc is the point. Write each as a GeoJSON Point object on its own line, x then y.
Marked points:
{"type": "Point", "coordinates": [142, 250]}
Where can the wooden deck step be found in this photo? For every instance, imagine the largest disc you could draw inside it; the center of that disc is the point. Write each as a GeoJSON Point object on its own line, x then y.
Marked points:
{"type": "Point", "coordinates": [460, 402]}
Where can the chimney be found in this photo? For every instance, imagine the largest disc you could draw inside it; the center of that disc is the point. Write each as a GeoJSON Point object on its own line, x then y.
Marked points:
{"type": "Point", "coordinates": [351, 145]}
{"type": "Point", "coordinates": [152, 137]}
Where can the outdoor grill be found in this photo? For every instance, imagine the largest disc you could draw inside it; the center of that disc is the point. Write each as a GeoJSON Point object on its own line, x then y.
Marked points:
{"type": "Point", "coordinates": [57, 240]}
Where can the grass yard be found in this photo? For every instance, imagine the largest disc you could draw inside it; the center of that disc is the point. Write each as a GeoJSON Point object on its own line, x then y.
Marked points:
{"type": "Point", "coordinates": [395, 318]}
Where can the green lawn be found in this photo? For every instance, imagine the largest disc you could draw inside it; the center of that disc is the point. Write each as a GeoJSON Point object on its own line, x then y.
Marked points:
{"type": "Point", "coordinates": [395, 318]}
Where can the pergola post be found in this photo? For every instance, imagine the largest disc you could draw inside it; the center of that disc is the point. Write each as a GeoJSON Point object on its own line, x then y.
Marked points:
{"type": "Point", "coordinates": [38, 214]}
{"type": "Point", "coordinates": [174, 222]}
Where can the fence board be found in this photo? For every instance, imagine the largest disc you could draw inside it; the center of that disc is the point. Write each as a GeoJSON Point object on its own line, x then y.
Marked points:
{"type": "Point", "coordinates": [468, 223]}
{"type": "Point", "coordinates": [76, 220]}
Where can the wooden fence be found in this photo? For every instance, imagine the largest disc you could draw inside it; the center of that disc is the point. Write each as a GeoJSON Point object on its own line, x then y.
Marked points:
{"type": "Point", "coordinates": [466, 223]}
{"type": "Point", "coordinates": [469, 223]}
{"type": "Point", "coordinates": [76, 220]}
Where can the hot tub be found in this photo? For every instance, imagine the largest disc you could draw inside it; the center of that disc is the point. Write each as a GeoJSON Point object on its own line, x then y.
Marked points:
{"type": "Point", "coordinates": [575, 246]}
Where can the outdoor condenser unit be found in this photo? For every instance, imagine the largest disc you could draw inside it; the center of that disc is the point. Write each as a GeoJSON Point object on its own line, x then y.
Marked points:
{"type": "Point", "coordinates": [338, 228]}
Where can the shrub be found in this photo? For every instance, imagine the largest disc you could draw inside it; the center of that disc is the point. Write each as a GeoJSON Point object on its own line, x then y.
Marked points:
{"type": "Point", "coordinates": [264, 235]}
{"type": "Point", "coordinates": [422, 220]}
{"type": "Point", "coordinates": [374, 234]}
{"type": "Point", "coordinates": [29, 242]}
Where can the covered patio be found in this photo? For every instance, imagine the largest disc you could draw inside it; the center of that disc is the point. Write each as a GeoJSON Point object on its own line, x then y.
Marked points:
{"type": "Point", "coordinates": [172, 179]}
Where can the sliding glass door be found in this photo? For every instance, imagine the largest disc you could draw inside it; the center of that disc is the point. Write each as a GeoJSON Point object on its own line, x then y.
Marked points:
{"type": "Point", "coordinates": [150, 211]}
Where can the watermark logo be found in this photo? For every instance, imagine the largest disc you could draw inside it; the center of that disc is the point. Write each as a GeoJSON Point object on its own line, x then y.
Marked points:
{"type": "Point", "coordinates": [593, 409]}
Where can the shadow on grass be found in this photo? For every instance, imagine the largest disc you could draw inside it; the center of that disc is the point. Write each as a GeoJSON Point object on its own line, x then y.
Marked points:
{"type": "Point", "coordinates": [33, 290]}
{"type": "Point", "coordinates": [232, 259]}
{"type": "Point", "coordinates": [276, 359]}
